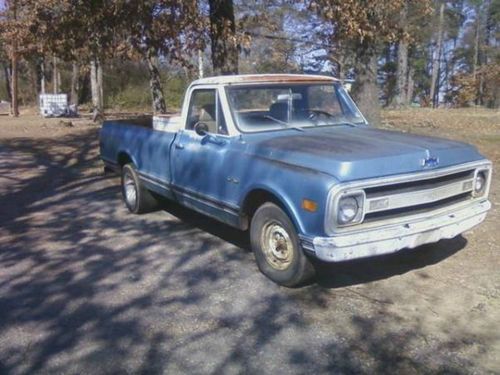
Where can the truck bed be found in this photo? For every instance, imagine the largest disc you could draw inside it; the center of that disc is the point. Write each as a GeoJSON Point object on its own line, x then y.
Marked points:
{"type": "Point", "coordinates": [168, 122]}
{"type": "Point", "coordinates": [139, 141]}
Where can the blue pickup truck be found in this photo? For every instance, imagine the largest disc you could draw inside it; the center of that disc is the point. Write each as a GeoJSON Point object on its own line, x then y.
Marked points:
{"type": "Point", "coordinates": [291, 159]}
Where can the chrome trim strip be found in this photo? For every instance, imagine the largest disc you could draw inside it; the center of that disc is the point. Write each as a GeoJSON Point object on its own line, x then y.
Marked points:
{"type": "Point", "coordinates": [204, 199]}
{"type": "Point", "coordinates": [206, 203]}
{"type": "Point", "coordinates": [154, 180]}
{"type": "Point", "coordinates": [336, 191]}
{"type": "Point", "coordinates": [418, 197]}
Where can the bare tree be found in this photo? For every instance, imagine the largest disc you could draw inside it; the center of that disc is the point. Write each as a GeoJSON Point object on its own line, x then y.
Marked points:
{"type": "Point", "coordinates": [434, 94]}
{"type": "Point", "coordinates": [402, 67]}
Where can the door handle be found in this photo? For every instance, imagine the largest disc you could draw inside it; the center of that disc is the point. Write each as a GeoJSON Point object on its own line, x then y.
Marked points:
{"type": "Point", "coordinates": [179, 146]}
{"type": "Point", "coordinates": [214, 140]}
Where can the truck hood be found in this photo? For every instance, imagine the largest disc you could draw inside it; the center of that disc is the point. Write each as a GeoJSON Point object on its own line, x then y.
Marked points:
{"type": "Point", "coordinates": [352, 153]}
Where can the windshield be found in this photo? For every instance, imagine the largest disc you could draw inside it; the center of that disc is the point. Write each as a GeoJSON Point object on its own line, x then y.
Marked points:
{"type": "Point", "coordinates": [272, 107]}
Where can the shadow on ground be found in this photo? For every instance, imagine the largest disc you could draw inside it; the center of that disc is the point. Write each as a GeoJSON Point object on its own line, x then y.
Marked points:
{"type": "Point", "coordinates": [366, 270]}
{"type": "Point", "coordinates": [87, 288]}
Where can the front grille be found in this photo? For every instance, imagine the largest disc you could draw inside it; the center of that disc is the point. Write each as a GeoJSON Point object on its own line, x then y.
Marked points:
{"type": "Point", "coordinates": [414, 210]}
{"type": "Point", "coordinates": [402, 187]}
{"type": "Point", "coordinates": [417, 196]}
{"type": "Point", "coordinates": [392, 199]}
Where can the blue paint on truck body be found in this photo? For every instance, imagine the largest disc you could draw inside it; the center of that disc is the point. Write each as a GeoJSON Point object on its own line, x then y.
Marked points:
{"type": "Point", "coordinates": [216, 174]}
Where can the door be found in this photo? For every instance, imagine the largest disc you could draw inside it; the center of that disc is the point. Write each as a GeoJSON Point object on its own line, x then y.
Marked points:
{"type": "Point", "coordinates": [199, 162]}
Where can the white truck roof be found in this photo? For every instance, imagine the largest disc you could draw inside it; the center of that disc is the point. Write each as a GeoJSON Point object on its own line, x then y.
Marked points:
{"type": "Point", "coordinates": [263, 78]}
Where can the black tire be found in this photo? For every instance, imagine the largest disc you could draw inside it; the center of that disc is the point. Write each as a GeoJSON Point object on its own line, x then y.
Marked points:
{"type": "Point", "coordinates": [144, 201]}
{"type": "Point", "coordinates": [284, 262]}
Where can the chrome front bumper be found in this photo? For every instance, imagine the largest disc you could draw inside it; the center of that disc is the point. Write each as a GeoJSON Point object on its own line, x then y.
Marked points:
{"type": "Point", "coordinates": [389, 239]}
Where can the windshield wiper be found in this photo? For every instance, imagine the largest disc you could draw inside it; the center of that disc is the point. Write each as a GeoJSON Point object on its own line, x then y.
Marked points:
{"type": "Point", "coordinates": [296, 128]}
{"type": "Point", "coordinates": [345, 123]}
{"type": "Point", "coordinates": [267, 117]}
{"type": "Point", "coordinates": [283, 123]}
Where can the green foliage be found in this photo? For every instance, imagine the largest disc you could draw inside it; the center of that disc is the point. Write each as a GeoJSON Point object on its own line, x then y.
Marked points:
{"type": "Point", "coordinates": [132, 97]}
{"type": "Point", "coordinates": [127, 86]}
{"type": "Point", "coordinates": [3, 88]}
{"type": "Point", "coordinates": [175, 87]}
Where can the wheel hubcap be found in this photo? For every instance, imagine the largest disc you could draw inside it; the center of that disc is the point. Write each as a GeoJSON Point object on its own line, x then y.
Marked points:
{"type": "Point", "coordinates": [130, 190]}
{"type": "Point", "coordinates": [277, 246]}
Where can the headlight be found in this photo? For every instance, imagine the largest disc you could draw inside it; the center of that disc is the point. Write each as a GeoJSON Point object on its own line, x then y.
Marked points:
{"type": "Point", "coordinates": [350, 209]}
{"type": "Point", "coordinates": [480, 183]}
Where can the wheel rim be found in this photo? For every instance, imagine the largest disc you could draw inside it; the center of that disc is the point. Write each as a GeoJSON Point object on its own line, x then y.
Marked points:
{"type": "Point", "coordinates": [277, 246]}
{"type": "Point", "coordinates": [130, 190]}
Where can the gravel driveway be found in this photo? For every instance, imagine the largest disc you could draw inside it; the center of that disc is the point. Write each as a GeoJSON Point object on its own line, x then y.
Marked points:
{"type": "Point", "coordinates": [86, 287]}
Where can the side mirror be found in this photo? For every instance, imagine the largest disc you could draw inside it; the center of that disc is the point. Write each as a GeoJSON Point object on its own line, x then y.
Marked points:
{"type": "Point", "coordinates": [201, 128]}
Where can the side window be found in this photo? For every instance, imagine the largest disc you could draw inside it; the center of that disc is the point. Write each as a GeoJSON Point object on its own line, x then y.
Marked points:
{"type": "Point", "coordinates": [204, 107]}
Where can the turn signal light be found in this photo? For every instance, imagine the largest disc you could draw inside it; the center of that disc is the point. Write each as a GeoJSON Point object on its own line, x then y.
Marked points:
{"type": "Point", "coordinates": [309, 205]}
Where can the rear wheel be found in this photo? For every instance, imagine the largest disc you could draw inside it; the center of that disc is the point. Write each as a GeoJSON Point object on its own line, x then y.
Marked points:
{"type": "Point", "coordinates": [277, 248]}
{"type": "Point", "coordinates": [137, 198]}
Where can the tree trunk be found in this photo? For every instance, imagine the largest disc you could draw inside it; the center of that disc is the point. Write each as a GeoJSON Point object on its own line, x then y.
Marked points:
{"type": "Point", "coordinates": [85, 92]}
{"type": "Point", "coordinates": [223, 37]}
{"type": "Point", "coordinates": [496, 98]}
{"type": "Point", "coordinates": [402, 67]}
{"type": "Point", "coordinates": [8, 75]}
{"type": "Point", "coordinates": [14, 81]}
{"type": "Point", "coordinates": [365, 90]}
{"type": "Point", "coordinates": [96, 89]}
{"type": "Point", "coordinates": [55, 76]}
{"type": "Point", "coordinates": [490, 26]}
{"type": "Point", "coordinates": [32, 67]}
{"type": "Point", "coordinates": [200, 63]}
{"type": "Point", "coordinates": [434, 97]}
{"type": "Point", "coordinates": [14, 107]}
{"type": "Point", "coordinates": [402, 74]}
{"type": "Point", "coordinates": [42, 76]}
{"type": "Point", "coordinates": [74, 84]}
{"type": "Point", "coordinates": [451, 71]}
{"type": "Point", "coordinates": [93, 84]}
{"type": "Point", "coordinates": [337, 60]}
{"type": "Point", "coordinates": [155, 82]}
{"type": "Point", "coordinates": [100, 85]}
{"type": "Point", "coordinates": [410, 86]}
{"type": "Point", "coordinates": [476, 53]}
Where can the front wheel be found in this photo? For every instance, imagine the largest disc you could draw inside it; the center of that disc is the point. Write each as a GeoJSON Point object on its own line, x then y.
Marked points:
{"type": "Point", "coordinates": [277, 248]}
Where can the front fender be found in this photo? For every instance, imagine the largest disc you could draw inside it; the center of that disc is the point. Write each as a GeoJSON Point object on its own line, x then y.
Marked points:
{"type": "Point", "coordinates": [290, 187]}
{"type": "Point", "coordinates": [282, 197]}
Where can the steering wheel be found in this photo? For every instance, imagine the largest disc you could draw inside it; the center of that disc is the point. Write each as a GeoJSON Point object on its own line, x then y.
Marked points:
{"type": "Point", "coordinates": [316, 114]}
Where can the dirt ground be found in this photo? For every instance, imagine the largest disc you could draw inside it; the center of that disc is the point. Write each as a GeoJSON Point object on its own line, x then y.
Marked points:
{"type": "Point", "coordinates": [86, 287]}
